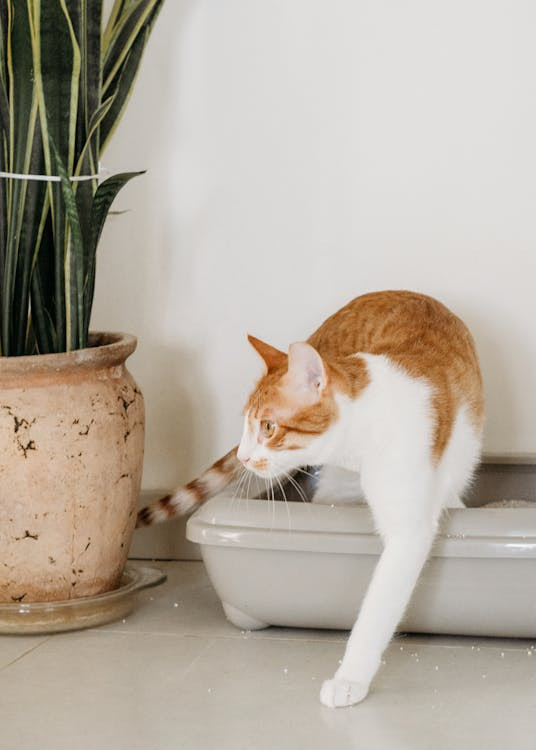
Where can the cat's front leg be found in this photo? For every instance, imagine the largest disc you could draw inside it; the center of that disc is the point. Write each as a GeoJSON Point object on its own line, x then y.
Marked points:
{"type": "Point", "coordinates": [340, 693]}
{"type": "Point", "coordinates": [386, 599]}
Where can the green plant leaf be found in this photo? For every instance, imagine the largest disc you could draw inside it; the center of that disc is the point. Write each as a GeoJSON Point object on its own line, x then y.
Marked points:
{"type": "Point", "coordinates": [21, 139]}
{"type": "Point", "coordinates": [57, 75]}
{"type": "Point", "coordinates": [73, 262]}
{"type": "Point", "coordinates": [104, 197]}
{"type": "Point", "coordinates": [86, 165]}
{"type": "Point", "coordinates": [55, 117]}
{"type": "Point", "coordinates": [132, 22]}
{"type": "Point", "coordinates": [42, 291]}
{"type": "Point", "coordinates": [86, 19]}
{"type": "Point", "coordinates": [36, 208]}
{"type": "Point", "coordinates": [122, 90]}
{"type": "Point", "coordinates": [111, 25]}
{"type": "Point", "coordinates": [126, 65]}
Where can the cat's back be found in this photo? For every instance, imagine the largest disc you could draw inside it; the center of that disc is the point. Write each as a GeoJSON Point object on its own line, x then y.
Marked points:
{"type": "Point", "coordinates": [418, 334]}
{"type": "Point", "coordinates": [394, 323]}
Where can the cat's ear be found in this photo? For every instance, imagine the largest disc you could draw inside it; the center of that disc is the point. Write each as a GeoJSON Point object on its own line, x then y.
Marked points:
{"type": "Point", "coordinates": [306, 369]}
{"type": "Point", "coordinates": [273, 358]}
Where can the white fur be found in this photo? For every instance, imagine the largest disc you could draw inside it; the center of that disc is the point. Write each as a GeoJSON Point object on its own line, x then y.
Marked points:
{"type": "Point", "coordinates": [249, 444]}
{"type": "Point", "coordinates": [386, 435]}
{"type": "Point", "coordinates": [184, 500]}
{"type": "Point", "coordinates": [338, 486]}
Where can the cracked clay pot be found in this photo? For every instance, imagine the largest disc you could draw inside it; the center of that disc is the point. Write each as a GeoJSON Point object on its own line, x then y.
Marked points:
{"type": "Point", "coordinates": [71, 454]}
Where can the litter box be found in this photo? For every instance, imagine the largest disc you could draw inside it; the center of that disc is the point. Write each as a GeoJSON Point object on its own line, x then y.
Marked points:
{"type": "Point", "coordinates": [308, 565]}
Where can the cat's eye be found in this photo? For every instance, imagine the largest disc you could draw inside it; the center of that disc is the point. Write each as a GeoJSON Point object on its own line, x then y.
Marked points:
{"type": "Point", "coordinates": [268, 428]}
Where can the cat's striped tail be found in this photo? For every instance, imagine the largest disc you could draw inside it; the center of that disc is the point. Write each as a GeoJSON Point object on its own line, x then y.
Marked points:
{"type": "Point", "coordinates": [192, 495]}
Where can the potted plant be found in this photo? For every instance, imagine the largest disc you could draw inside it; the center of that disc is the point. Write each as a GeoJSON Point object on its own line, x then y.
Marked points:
{"type": "Point", "coordinates": [71, 416]}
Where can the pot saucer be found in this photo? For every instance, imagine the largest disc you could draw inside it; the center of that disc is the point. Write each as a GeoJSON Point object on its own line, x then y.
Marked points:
{"type": "Point", "coordinates": [76, 614]}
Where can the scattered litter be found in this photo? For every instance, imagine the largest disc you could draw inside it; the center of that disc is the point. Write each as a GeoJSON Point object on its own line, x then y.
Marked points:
{"type": "Point", "coordinates": [502, 654]}
{"type": "Point", "coordinates": [285, 670]}
{"type": "Point", "coordinates": [124, 620]}
{"type": "Point", "coordinates": [209, 690]}
{"type": "Point", "coordinates": [436, 668]}
{"type": "Point", "coordinates": [176, 604]}
{"type": "Point", "coordinates": [401, 648]}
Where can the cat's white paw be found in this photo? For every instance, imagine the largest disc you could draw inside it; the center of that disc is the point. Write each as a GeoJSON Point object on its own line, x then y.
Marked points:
{"type": "Point", "coordinates": [337, 693]}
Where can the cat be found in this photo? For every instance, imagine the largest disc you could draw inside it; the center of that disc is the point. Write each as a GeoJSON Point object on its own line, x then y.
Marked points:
{"type": "Point", "coordinates": [389, 387]}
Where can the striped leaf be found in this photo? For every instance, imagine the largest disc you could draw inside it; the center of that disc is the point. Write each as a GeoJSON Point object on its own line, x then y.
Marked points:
{"type": "Point", "coordinates": [131, 22]}
{"type": "Point", "coordinates": [21, 147]}
{"type": "Point", "coordinates": [64, 85]}
{"type": "Point", "coordinates": [104, 197]}
{"type": "Point", "coordinates": [74, 261]}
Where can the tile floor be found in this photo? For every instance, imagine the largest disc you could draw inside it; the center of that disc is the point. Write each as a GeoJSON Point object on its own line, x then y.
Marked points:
{"type": "Point", "coordinates": [181, 677]}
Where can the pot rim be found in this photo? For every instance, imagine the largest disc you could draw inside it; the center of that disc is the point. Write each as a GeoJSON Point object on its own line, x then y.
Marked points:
{"type": "Point", "coordinates": [107, 349]}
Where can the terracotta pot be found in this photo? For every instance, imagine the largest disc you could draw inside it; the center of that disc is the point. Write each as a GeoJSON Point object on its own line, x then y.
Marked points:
{"type": "Point", "coordinates": [71, 453]}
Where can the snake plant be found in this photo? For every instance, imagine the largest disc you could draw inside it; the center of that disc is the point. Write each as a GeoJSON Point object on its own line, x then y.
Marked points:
{"type": "Point", "coordinates": [65, 79]}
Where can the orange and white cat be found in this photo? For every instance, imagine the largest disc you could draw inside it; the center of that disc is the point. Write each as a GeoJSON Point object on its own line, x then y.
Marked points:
{"type": "Point", "coordinates": [388, 387]}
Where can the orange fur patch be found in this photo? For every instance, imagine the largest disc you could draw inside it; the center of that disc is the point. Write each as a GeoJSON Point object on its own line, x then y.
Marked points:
{"type": "Point", "coordinates": [261, 464]}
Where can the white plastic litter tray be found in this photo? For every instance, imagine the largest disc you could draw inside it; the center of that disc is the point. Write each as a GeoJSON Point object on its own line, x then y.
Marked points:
{"type": "Point", "coordinates": [308, 565]}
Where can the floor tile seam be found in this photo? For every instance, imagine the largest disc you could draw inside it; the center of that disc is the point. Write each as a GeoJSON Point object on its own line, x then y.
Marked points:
{"type": "Point", "coordinates": [394, 644]}
{"type": "Point", "coordinates": [217, 636]}
{"type": "Point", "coordinates": [224, 636]}
{"type": "Point", "coordinates": [138, 633]}
{"type": "Point", "coordinates": [25, 653]}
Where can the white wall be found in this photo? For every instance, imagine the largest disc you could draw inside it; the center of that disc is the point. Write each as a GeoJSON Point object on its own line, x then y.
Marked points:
{"type": "Point", "coordinates": [300, 153]}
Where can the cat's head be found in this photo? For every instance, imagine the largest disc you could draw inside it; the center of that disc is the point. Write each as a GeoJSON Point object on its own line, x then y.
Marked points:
{"type": "Point", "coordinates": [288, 414]}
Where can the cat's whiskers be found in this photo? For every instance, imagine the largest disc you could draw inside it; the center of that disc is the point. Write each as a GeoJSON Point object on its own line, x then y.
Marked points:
{"type": "Point", "coordinates": [239, 487]}
{"type": "Point", "coordinates": [307, 473]}
{"type": "Point", "coordinates": [298, 488]}
{"type": "Point", "coordinates": [266, 488]}
{"type": "Point", "coordinates": [292, 481]}
{"type": "Point", "coordinates": [273, 501]}
{"type": "Point", "coordinates": [251, 475]}
{"type": "Point", "coordinates": [286, 503]}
